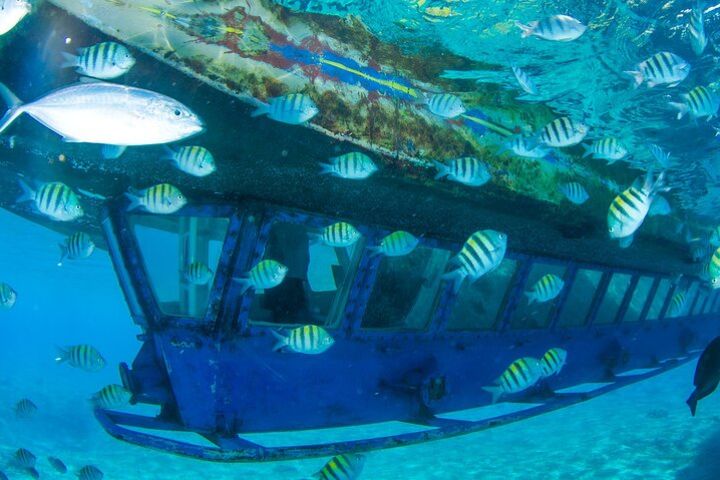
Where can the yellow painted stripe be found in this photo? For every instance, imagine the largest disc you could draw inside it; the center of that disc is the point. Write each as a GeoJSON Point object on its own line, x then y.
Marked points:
{"type": "Point", "coordinates": [387, 83]}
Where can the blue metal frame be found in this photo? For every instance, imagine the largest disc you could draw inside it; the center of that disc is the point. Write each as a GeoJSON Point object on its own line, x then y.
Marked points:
{"type": "Point", "coordinates": [218, 376]}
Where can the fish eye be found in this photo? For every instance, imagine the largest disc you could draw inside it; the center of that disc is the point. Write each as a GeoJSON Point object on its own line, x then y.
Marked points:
{"type": "Point", "coordinates": [177, 112]}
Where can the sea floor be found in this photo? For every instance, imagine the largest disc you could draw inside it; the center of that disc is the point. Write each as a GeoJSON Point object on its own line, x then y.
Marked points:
{"type": "Point", "coordinates": [644, 431]}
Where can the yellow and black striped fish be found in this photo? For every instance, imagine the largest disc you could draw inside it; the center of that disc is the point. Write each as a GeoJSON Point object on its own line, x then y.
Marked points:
{"type": "Point", "coordinates": [54, 199]}
{"type": "Point", "coordinates": [104, 60]}
{"type": "Point", "coordinates": [84, 357]}
{"type": "Point", "coordinates": [162, 198]}
{"type": "Point", "coordinates": [698, 102]}
{"type": "Point", "coordinates": [111, 396]}
{"type": "Point", "coordinates": [347, 466]}
{"type": "Point", "coordinates": [294, 108]}
{"type": "Point", "coordinates": [76, 246]}
{"type": "Point", "coordinates": [469, 171]}
{"type": "Point", "coordinates": [24, 458]}
{"type": "Point", "coordinates": [545, 289]}
{"type": "Point", "coordinates": [662, 68]}
{"type": "Point", "coordinates": [8, 296]}
{"type": "Point", "coordinates": [397, 244]}
{"type": "Point", "coordinates": [480, 254]}
{"type": "Point", "coordinates": [563, 132]}
{"type": "Point", "coordinates": [608, 148]}
{"type": "Point", "coordinates": [446, 105]}
{"type": "Point", "coordinates": [677, 305]}
{"type": "Point", "coordinates": [553, 361]}
{"type": "Point", "coordinates": [629, 209]}
{"type": "Point", "coordinates": [340, 234]}
{"type": "Point", "coordinates": [308, 339]}
{"type": "Point", "coordinates": [352, 166]}
{"type": "Point", "coordinates": [266, 274]}
{"type": "Point", "coordinates": [25, 408]}
{"type": "Point", "coordinates": [198, 273]}
{"type": "Point", "coordinates": [520, 375]}
{"type": "Point", "coordinates": [196, 161]}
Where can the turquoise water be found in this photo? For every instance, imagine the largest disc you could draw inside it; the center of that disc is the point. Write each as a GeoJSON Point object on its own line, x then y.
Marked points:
{"type": "Point", "coordinates": [640, 432]}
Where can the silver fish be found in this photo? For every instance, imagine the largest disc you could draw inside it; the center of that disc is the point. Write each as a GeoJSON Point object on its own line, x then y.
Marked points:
{"type": "Point", "coordinates": [11, 12]}
{"type": "Point", "coordinates": [76, 246]}
{"type": "Point", "coordinates": [563, 132]}
{"type": "Point", "coordinates": [446, 105]}
{"type": "Point", "coordinates": [525, 147]}
{"type": "Point", "coordinates": [466, 170]}
{"type": "Point", "coordinates": [294, 109]}
{"type": "Point", "coordinates": [663, 68]}
{"type": "Point", "coordinates": [524, 80]}
{"type": "Point", "coordinates": [560, 28]}
{"type": "Point", "coordinates": [108, 114]}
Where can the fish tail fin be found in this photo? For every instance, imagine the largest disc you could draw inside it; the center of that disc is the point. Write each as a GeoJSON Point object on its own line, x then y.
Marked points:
{"type": "Point", "coordinates": [681, 108]}
{"type": "Point", "coordinates": [495, 390]}
{"type": "Point", "coordinates": [456, 277]}
{"type": "Point", "coordinates": [63, 254]}
{"type": "Point", "coordinates": [282, 341]}
{"type": "Point", "coordinates": [374, 251]}
{"type": "Point", "coordinates": [62, 355]}
{"type": "Point", "coordinates": [527, 30]}
{"type": "Point", "coordinates": [441, 168]}
{"type": "Point", "coordinates": [531, 297]}
{"type": "Point", "coordinates": [69, 60]}
{"type": "Point", "coordinates": [587, 149]}
{"type": "Point", "coordinates": [263, 109]}
{"type": "Point", "coordinates": [325, 169]}
{"type": "Point", "coordinates": [133, 199]}
{"type": "Point", "coordinates": [168, 153]}
{"type": "Point", "coordinates": [636, 76]}
{"type": "Point", "coordinates": [692, 402]}
{"type": "Point", "coordinates": [244, 284]}
{"type": "Point", "coordinates": [28, 194]}
{"type": "Point", "coordinates": [314, 238]}
{"type": "Point", "coordinates": [14, 107]}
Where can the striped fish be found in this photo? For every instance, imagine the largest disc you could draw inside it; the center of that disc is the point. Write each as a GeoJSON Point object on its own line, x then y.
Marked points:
{"type": "Point", "coordinates": [195, 161]}
{"type": "Point", "coordinates": [480, 254]}
{"type": "Point", "coordinates": [198, 273]}
{"type": "Point", "coordinates": [266, 274]}
{"type": "Point", "coordinates": [559, 28]}
{"type": "Point", "coordinates": [446, 105]}
{"type": "Point", "coordinates": [111, 396]}
{"type": "Point", "coordinates": [77, 246]}
{"type": "Point", "coordinates": [33, 473]}
{"type": "Point", "coordinates": [524, 80]}
{"type": "Point", "coordinates": [339, 234]}
{"type": "Point", "coordinates": [308, 339]}
{"type": "Point", "coordinates": [659, 206]}
{"type": "Point", "coordinates": [105, 60]}
{"type": "Point", "coordinates": [553, 361]}
{"type": "Point", "coordinates": [84, 357]}
{"type": "Point", "coordinates": [714, 269]}
{"type": "Point", "coordinates": [162, 198]}
{"type": "Point", "coordinates": [520, 375]}
{"type": "Point", "coordinates": [628, 210]}
{"type": "Point", "coordinates": [8, 296]}
{"type": "Point", "coordinates": [58, 465]}
{"type": "Point", "coordinates": [563, 132]}
{"type": "Point", "coordinates": [696, 28]}
{"type": "Point", "coordinates": [662, 158]}
{"type": "Point", "coordinates": [466, 170]}
{"type": "Point", "coordinates": [24, 458]}
{"type": "Point", "coordinates": [90, 472]}
{"type": "Point", "coordinates": [574, 192]}
{"type": "Point", "coordinates": [347, 466]}
{"type": "Point", "coordinates": [545, 289]}
{"type": "Point", "coordinates": [525, 147]}
{"type": "Point", "coordinates": [677, 305]}
{"type": "Point", "coordinates": [397, 244]}
{"type": "Point", "coordinates": [54, 199]}
{"type": "Point", "coordinates": [25, 408]}
{"type": "Point", "coordinates": [663, 68]}
{"type": "Point", "coordinates": [295, 108]}
{"type": "Point", "coordinates": [352, 166]}
{"type": "Point", "coordinates": [698, 102]}
{"type": "Point", "coordinates": [608, 148]}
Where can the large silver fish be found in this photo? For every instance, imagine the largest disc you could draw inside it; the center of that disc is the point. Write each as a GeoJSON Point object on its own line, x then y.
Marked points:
{"type": "Point", "coordinates": [11, 12]}
{"type": "Point", "coordinates": [107, 113]}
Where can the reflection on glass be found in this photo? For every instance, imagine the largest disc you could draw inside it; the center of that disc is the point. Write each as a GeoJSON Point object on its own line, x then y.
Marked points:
{"type": "Point", "coordinates": [577, 305]}
{"type": "Point", "coordinates": [319, 277]}
{"type": "Point", "coordinates": [614, 295]}
{"type": "Point", "coordinates": [639, 299]}
{"type": "Point", "coordinates": [181, 255]}
{"type": "Point", "coordinates": [536, 314]}
{"type": "Point", "coordinates": [709, 303]}
{"type": "Point", "coordinates": [405, 289]}
{"type": "Point", "coordinates": [478, 303]}
{"type": "Point", "coordinates": [659, 299]}
{"type": "Point", "coordinates": [682, 301]}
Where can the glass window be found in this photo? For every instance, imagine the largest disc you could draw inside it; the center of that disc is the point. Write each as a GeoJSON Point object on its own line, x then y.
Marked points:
{"type": "Point", "coordinates": [478, 303]}
{"type": "Point", "coordinates": [317, 283]}
{"type": "Point", "coordinates": [639, 299]}
{"type": "Point", "coordinates": [181, 255]}
{"type": "Point", "coordinates": [405, 289]}
{"type": "Point", "coordinates": [580, 297]}
{"type": "Point", "coordinates": [659, 299]}
{"type": "Point", "coordinates": [614, 295]}
{"type": "Point", "coordinates": [709, 303]}
{"type": "Point", "coordinates": [536, 314]}
{"type": "Point", "coordinates": [700, 302]}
